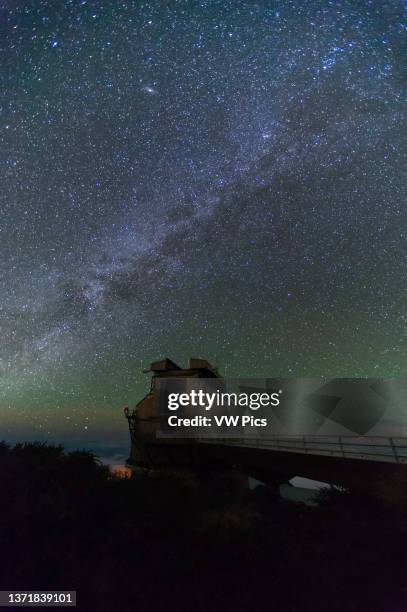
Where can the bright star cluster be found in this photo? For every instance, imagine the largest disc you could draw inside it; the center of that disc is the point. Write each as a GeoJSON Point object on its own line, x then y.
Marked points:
{"type": "Point", "coordinates": [215, 178]}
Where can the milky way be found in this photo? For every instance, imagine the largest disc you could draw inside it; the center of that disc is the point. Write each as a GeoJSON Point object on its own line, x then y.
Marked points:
{"type": "Point", "coordinates": [222, 179]}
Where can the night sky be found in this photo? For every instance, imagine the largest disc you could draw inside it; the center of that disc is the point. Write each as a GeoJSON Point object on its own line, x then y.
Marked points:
{"type": "Point", "coordinates": [222, 179]}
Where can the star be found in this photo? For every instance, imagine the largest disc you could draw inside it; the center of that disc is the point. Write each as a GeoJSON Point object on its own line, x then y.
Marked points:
{"type": "Point", "coordinates": [219, 179]}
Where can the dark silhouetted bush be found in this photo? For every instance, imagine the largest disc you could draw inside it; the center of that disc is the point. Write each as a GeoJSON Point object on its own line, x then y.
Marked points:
{"type": "Point", "coordinates": [175, 541]}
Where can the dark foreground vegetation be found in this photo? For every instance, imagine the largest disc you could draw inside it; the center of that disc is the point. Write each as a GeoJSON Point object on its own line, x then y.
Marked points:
{"type": "Point", "coordinates": [165, 542]}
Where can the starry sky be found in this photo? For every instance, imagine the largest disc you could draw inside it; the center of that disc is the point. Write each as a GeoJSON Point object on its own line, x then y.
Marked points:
{"type": "Point", "coordinates": [223, 179]}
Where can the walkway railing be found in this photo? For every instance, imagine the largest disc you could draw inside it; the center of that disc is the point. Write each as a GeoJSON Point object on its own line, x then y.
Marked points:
{"type": "Point", "coordinates": [374, 448]}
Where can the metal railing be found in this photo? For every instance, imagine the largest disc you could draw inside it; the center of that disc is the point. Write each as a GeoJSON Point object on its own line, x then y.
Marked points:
{"type": "Point", "coordinates": [373, 448]}
{"type": "Point", "coordinates": [370, 448]}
